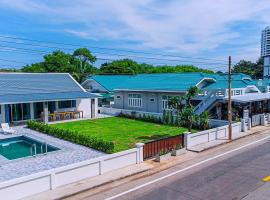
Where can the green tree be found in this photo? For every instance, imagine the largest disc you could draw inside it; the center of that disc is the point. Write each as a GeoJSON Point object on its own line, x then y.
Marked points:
{"type": "Point", "coordinates": [255, 70]}
{"type": "Point", "coordinates": [125, 66]}
{"type": "Point", "coordinates": [35, 68]}
{"type": "Point", "coordinates": [85, 67]}
{"type": "Point", "coordinates": [184, 108]}
{"type": "Point", "coordinates": [204, 120]}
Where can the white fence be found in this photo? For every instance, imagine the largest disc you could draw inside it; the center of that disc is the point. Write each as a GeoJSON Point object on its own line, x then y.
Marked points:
{"type": "Point", "coordinates": [194, 139]}
{"type": "Point", "coordinates": [115, 112]}
{"type": "Point", "coordinates": [40, 182]}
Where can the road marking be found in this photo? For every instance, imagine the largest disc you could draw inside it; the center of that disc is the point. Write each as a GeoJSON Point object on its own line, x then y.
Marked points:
{"type": "Point", "coordinates": [266, 179]}
{"type": "Point", "coordinates": [185, 169]}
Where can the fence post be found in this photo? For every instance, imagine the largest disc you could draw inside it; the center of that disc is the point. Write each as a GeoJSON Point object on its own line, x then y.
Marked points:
{"type": "Point", "coordinates": [52, 181]}
{"type": "Point", "coordinates": [263, 121]}
{"type": "Point", "coordinates": [243, 125]}
{"type": "Point", "coordinates": [101, 170]}
{"type": "Point", "coordinates": [249, 123]}
{"type": "Point", "coordinates": [185, 142]}
{"type": "Point", "coordinates": [139, 147]}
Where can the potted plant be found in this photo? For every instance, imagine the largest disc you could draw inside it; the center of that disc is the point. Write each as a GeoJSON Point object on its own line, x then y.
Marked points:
{"type": "Point", "coordinates": [163, 155]}
{"type": "Point", "coordinates": [178, 150]}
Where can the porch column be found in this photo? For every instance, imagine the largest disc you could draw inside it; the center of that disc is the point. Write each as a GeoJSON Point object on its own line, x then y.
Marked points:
{"type": "Point", "coordinates": [45, 112]}
{"type": "Point", "coordinates": [3, 114]}
{"type": "Point", "coordinates": [32, 111]}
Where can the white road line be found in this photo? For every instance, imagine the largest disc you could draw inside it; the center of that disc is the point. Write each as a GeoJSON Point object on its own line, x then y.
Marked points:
{"type": "Point", "coordinates": [185, 169]}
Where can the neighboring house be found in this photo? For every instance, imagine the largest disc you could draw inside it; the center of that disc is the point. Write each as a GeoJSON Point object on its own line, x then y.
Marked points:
{"type": "Point", "coordinates": [151, 92]}
{"type": "Point", "coordinates": [38, 96]}
{"type": "Point", "coordinates": [104, 85]}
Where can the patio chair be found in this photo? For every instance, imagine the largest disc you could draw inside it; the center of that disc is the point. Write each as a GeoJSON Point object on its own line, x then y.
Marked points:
{"type": "Point", "coordinates": [7, 129]}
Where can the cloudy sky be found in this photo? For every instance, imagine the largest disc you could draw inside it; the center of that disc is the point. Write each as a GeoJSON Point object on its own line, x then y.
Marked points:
{"type": "Point", "coordinates": [189, 28]}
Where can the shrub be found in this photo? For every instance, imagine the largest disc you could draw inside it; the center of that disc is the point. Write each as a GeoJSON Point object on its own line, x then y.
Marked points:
{"type": "Point", "coordinates": [73, 136]}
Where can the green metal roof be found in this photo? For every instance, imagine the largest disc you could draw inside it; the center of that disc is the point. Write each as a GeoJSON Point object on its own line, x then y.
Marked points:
{"type": "Point", "coordinates": [170, 81]}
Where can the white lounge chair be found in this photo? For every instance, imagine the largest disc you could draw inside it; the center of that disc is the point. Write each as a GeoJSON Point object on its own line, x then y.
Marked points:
{"type": "Point", "coordinates": [7, 129]}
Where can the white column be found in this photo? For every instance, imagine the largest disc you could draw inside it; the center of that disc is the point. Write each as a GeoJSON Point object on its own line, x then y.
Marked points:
{"type": "Point", "coordinates": [45, 112]}
{"type": "Point", "coordinates": [3, 114]}
{"type": "Point", "coordinates": [96, 107]}
{"type": "Point", "coordinates": [186, 138]}
{"type": "Point", "coordinates": [139, 147]}
{"type": "Point", "coordinates": [32, 115]}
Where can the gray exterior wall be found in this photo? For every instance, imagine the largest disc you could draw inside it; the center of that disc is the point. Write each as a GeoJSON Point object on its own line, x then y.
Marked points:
{"type": "Point", "coordinates": [147, 106]}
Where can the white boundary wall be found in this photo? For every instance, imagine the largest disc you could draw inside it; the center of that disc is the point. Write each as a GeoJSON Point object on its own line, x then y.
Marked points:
{"type": "Point", "coordinates": [40, 182]}
{"type": "Point", "coordinates": [115, 112]}
{"type": "Point", "coordinates": [194, 139]}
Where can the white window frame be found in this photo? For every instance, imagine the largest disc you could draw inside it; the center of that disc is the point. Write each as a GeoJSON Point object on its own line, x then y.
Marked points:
{"type": "Point", "coordinates": [165, 102]}
{"type": "Point", "coordinates": [152, 98]}
{"type": "Point", "coordinates": [118, 97]}
{"type": "Point", "coordinates": [134, 100]}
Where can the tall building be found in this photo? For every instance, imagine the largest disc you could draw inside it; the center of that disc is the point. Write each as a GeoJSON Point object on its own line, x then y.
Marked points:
{"type": "Point", "coordinates": [265, 52]}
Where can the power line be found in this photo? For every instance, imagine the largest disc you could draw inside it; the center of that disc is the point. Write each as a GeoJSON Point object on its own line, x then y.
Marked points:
{"type": "Point", "coordinates": [124, 55]}
{"type": "Point", "coordinates": [111, 49]}
{"type": "Point", "coordinates": [129, 56]}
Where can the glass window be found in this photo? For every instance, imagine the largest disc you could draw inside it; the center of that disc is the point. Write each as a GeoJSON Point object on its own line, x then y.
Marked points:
{"type": "Point", "coordinates": [51, 106]}
{"type": "Point", "coordinates": [16, 112]}
{"type": "Point", "coordinates": [152, 100]}
{"type": "Point", "coordinates": [134, 100]}
{"type": "Point", "coordinates": [67, 104]}
{"type": "Point", "coordinates": [26, 111]}
{"type": "Point", "coordinates": [38, 109]}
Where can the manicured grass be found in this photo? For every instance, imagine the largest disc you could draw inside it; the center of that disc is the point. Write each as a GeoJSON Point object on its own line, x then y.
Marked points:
{"type": "Point", "coordinates": [125, 133]}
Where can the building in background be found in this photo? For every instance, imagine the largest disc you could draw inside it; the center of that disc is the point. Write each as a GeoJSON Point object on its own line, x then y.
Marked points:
{"type": "Point", "coordinates": [43, 96]}
{"type": "Point", "coordinates": [265, 52]}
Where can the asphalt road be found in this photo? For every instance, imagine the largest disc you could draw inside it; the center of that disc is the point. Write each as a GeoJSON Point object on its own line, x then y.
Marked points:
{"type": "Point", "coordinates": [229, 177]}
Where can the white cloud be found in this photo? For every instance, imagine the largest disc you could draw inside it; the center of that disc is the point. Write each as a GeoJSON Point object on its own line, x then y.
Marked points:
{"type": "Point", "coordinates": [174, 25]}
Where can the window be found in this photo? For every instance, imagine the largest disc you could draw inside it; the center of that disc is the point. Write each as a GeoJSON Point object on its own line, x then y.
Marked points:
{"type": "Point", "coordinates": [118, 97]}
{"type": "Point", "coordinates": [38, 109]}
{"type": "Point", "coordinates": [165, 101]}
{"type": "Point", "coordinates": [135, 100]}
{"type": "Point", "coordinates": [165, 104]}
{"type": "Point", "coordinates": [20, 111]}
{"type": "Point", "coordinates": [152, 100]}
{"type": "Point", "coordinates": [67, 104]}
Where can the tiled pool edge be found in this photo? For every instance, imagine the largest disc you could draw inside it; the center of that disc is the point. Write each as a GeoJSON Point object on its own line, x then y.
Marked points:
{"type": "Point", "coordinates": [69, 153]}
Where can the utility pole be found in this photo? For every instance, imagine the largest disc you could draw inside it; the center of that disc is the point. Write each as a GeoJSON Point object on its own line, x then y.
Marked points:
{"type": "Point", "coordinates": [230, 98]}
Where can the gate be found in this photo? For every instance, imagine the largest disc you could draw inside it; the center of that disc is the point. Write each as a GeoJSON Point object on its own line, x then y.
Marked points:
{"type": "Point", "coordinates": [151, 149]}
{"type": "Point", "coordinates": [256, 120]}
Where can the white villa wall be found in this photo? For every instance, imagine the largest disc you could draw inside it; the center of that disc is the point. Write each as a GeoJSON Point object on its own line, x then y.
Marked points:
{"type": "Point", "coordinates": [201, 137]}
{"type": "Point", "coordinates": [51, 179]}
{"type": "Point", "coordinates": [85, 106]}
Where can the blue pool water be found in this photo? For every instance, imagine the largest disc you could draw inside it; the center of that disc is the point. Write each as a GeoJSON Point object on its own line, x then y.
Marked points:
{"type": "Point", "coordinates": [22, 146]}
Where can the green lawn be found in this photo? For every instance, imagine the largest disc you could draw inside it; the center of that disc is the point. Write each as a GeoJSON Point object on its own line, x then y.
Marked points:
{"type": "Point", "coordinates": [125, 133]}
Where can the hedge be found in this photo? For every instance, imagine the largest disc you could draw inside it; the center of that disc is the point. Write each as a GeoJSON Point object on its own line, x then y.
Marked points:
{"type": "Point", "coordinates": [72, 136]}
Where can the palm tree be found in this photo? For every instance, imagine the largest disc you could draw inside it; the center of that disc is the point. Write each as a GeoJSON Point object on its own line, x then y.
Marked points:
{"type": "Point", "coordinates": [204, 120]}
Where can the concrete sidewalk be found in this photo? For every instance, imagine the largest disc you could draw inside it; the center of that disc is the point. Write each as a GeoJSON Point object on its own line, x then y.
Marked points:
{"type": "Point", "coordinates": [149, 167]}
{"type": "Point", "coordinates": [224, 140]}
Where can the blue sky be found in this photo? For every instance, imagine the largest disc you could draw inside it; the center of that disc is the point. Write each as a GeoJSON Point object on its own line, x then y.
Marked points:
{"type": "Point", "coordinates": [189, 28]}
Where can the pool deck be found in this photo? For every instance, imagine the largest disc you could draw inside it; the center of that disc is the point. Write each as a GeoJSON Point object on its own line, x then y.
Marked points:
{"type": "Point", "coordinates": [69, 153]}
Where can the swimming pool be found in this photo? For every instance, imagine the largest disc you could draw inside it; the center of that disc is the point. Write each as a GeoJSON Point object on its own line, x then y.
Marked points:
{"type": "Point", "coordinates": [22, 146]}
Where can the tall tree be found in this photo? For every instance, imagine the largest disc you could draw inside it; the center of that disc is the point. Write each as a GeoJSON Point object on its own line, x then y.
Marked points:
{"type": "Point", "coordinates": [86, 63]}
{"type": "Point", "coordinates": [255, 70]}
